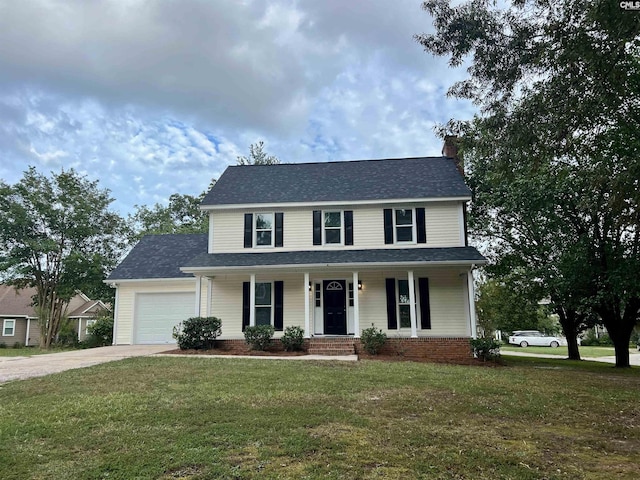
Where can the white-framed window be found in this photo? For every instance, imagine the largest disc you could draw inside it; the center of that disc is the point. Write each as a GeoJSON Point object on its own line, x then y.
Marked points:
{"type": "Point", "coordinates": [264, 303]}
{"type": "Point", "coordinates": [332, 226]}
{"type": "Point", "coordinates": [89, 323]}
{"type": "Point", "coordinates": [9, 327]}
{"type": "Point", "coordinates": [264, 227]}
{"type": "Point", "coordinates": [404, 304]}
{"type": "Point", "coordinates": [404, 224]}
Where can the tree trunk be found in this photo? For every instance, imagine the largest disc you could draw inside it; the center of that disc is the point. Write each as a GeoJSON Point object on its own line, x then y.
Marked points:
{"type": "Point", "coordinates": [619, 328]}
{"type": "Point", "coordinates": [569, 322]}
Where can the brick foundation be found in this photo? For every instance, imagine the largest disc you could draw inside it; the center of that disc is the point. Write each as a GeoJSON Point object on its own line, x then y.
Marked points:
{"type": "Point", "coordinates": [425, 349]}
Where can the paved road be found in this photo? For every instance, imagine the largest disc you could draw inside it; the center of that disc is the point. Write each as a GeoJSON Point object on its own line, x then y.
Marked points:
{"type": "Point", "coordinates": [634, 358]}
{"type": "Point", "coordinates": [19, 368]}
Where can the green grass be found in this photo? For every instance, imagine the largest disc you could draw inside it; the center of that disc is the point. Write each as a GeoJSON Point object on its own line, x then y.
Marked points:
{"type": "Point", "coordinates": [194, 418]}
{"type": "Point", "coordinates": [592, 352]}
{"type": "Point", "coordinates": [28, 351]}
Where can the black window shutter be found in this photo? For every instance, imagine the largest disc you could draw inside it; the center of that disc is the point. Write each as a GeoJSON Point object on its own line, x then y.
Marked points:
{"type": "Point", "coordinates": [421, 225]}
{"type": "Point", "coordinates": [248, 230]}
{"type": "Point", "coordinates": [425, 308]}
{"type": "Point", "coordinates": [279, 228]}
{"type": "Point", "coordinates": [246, 305]}
{"type": "Point", "coordinates": [392, 319]}
{"type": "Point", "coordinates": [278, 313]}
{"type": "Point", "coordinates": [317, 227]}
{"type": "Point", "coordinates": [348, 227]}
{"type": "Point", "coordinates": [388, 226]}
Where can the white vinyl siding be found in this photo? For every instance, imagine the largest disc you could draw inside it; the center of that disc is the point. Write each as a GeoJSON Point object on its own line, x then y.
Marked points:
{"type": "Point", "coordinates": [442, 221]}
{"type": "Point", "coordinates": [227, 300]}
{"type": "Point", "coordinates": [446, 297]}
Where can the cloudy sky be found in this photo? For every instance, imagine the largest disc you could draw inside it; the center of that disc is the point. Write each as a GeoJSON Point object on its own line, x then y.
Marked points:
{"type": "Point", "coordinates": [155, 97]}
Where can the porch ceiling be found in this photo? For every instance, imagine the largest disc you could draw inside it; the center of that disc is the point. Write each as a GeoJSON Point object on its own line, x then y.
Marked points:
{"type": "Point", "coordinates": [338, 259]}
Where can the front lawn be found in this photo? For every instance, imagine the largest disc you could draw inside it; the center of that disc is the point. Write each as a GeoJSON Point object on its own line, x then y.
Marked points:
{"type": "Point", "coordinates": [592, 352]}
{"type": "Point", "coordinates": [28, 351]}
{"type": "Point", "coordinates": [231, 418]}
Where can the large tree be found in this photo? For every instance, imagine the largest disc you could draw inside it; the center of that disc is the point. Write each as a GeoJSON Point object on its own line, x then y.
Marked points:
{"type": "Point", "coordinates": [181, 215]}
{"type": "Point", "coordinates": [554, 155]}
{"type": "Point", "coordinates": [58, 235]}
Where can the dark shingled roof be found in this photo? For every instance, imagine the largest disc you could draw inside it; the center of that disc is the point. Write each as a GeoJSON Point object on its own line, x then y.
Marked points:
{"type": "Point", "coordinates": [160, 256]}
{"type": "Point", "coordinates": [399, 178]}
{"type": "Point", "coordinates": [337, 257]}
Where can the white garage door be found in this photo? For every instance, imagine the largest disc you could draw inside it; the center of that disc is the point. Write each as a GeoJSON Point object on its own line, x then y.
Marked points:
{"type": "Point", "coordinates": [157, 313]}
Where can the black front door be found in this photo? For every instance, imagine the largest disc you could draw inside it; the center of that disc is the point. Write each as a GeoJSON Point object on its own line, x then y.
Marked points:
{"type": "Point", "coordinates": [335, 316]}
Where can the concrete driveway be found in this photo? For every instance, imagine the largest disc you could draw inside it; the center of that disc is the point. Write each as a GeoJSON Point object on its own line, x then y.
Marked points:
{"type": "Point", "coordinates": [20, 368]}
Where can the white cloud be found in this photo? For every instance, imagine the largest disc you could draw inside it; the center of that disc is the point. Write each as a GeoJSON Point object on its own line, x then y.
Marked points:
{"type": "Point", "coordinates": [171, 92]}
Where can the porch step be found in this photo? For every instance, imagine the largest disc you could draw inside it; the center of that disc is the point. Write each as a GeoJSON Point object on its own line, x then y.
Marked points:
{"type": "Point", "coordinates": [329, 346]}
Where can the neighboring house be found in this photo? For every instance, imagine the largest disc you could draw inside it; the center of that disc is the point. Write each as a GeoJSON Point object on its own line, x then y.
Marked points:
{"type": "Point", "coordinates": [333, 248]}
{"type": "Point", "coordinates": [20, 320]}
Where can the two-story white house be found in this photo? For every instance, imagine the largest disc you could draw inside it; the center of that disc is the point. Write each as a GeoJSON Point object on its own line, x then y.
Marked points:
{"type": "Point", "coordinates": [333, 248]}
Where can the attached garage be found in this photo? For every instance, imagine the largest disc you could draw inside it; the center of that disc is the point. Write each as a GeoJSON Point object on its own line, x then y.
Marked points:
{"type": "Point", "coordinates": [157, 313]}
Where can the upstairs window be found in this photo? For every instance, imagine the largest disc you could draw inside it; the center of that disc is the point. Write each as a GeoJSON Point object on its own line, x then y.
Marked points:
{"type": "Point", "coordinates": [404, 224]}
{"type": "Point", "coordinates": [264, 229]}
{"type": "Point", "coordinates": [332, 228]}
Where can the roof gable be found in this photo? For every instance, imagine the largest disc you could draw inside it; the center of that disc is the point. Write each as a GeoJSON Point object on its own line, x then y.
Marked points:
{"type": "Point", "coordinates": [363, 180]}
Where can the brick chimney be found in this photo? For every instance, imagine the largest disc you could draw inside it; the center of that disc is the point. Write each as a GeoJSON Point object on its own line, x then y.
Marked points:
{"type": "Point", "coordinates": [450, 150]}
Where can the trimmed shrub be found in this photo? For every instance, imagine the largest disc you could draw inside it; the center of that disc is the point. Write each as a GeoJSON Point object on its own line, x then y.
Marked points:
{"type": "Point", "coordinates": [372, 340]}
{"type": "Point", "coordinates": [259, 337]}
{"type": "Point", "coordinates": [197, 333]}
{"type": "Point", "coordinates": [293, 339]}
{"type": "Point", "coordinates": [485, 348]}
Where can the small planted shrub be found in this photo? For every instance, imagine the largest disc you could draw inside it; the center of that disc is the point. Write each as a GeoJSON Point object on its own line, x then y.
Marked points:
{"type": "Point", "coordinates": [259, 337]}
{"type": "Point", "coordinates": [293, 339]}
{"type": "Point", "coordinates": [197, 333]}
{"type": "Point", "coordinates": [372, 340]}
{"type": "Point", "coordinates": [485, 348]}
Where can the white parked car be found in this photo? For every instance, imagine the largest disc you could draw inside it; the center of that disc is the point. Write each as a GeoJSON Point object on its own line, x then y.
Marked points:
{"type": "Point", "coordinates": [526, 338]}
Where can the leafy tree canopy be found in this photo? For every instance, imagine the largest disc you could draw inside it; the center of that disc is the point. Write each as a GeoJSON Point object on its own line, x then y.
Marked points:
{"type": "Point", "coordinates": [257, 156]}
{"type": "Point", "coordinates": [58, 235]}
{"type": "Point", "coordinates": [553, 158]}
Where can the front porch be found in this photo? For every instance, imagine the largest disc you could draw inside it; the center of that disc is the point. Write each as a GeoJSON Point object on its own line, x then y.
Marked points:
{"type": "Point", "coordinates": [403, 303]}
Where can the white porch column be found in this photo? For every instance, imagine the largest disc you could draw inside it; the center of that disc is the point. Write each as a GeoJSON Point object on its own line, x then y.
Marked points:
{"type": "Point", "coordinates": [209, 295]}
{"type": "Point", "coordinates": [356, 306]}
{"type": "Point", "coordinates": [26, 337]}
{"type": "Point", "coordinates": [412, 308]}
{"type": "Point", "coordinates": [79, 327]}
{"type": "Point", "coordinates": [198, 295]}
{"type": "Point", "coordinates": [307, 318]}
{"type": "Point", "coordinates": [472, 305]}
{"type": "Point", "coordinates": [252, 300]}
